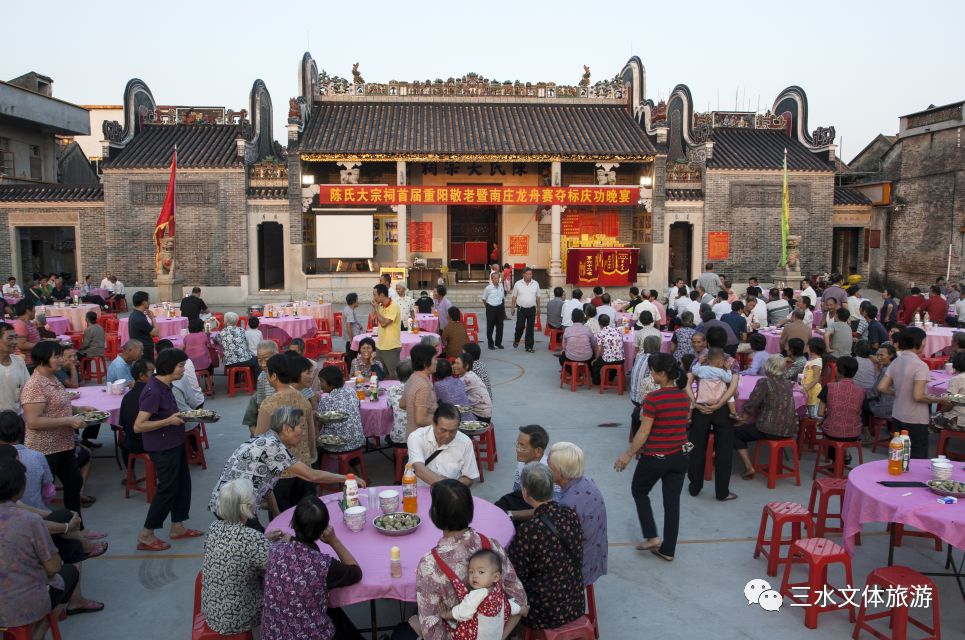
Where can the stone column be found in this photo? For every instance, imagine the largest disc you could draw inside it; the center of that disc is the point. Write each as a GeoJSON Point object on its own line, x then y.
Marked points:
{"type": "Point", "coordinates": [402, 249]}
{"type": "Point", "coordinates": [556, 263]}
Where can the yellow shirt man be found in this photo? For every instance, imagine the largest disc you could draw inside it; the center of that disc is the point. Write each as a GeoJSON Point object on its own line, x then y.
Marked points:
{"type": "Point", "coordinates": [390, 336]}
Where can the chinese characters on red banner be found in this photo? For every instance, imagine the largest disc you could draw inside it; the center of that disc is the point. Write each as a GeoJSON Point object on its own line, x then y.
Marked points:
{"type": "Point", "coordinates": [718, 245]}
{"type": "Point", "coordinates": [369, 195]}
{"type": "Point", "coordinates": [420, 237]}
{"type": "Point", "coordinates": [607, 266]}
{"type": "Point", "coordinates": [519, 245]}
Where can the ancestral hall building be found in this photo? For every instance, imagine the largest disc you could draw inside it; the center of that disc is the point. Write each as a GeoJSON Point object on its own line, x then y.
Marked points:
{"type": "Point", "coordinates": [585, 183]}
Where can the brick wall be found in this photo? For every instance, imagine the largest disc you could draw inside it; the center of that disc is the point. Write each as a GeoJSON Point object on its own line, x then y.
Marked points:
{"type": "Point", "coordinates": [212, 238]}
{"type": "Point", "coordinates": [930, 211]}
{"type": "Point", "coordinates": [6, 256]}
{"type": "Point", "coordinates": [755, 231]}
{"type": "Point", "coordinates": [93, 258]}
{"type": "Point", "coordinates": [87, 220]}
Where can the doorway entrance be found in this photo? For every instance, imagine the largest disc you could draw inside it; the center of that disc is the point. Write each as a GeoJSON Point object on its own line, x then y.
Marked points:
{"type": "Point", "coordinates": [47, 250]}
{"type": "Point", "coordinates": [681, 251]}
{"type": "Point", "coordinates": [844, 251]}
{"type": "Point", "coordinates": [271, 256]}
{"type": "Point", "coordinates": [473, 230]}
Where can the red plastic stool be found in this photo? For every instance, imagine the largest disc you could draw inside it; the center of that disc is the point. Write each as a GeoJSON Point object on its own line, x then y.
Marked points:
{"type": "Point", "coordinates": [944, 439]}
{"type": "Point", "coordinates": [575, 371]}
{"type": "Point", "coordinates": [133, 483]}
{"type": "Point", "coordinates": [479, 462]}
{"type": "Point", "coordinates": [239, 377]}
{"type": "Point", "coordinates": [591, 610]}
{"type": "Point", "coordinates": [819, 554]}
{"type": "Point", "coordinates": [935, 363]}
{"type": "Point", "coordinates": [338, 323]}
{"type": "Point", "coordinates": [822, 490]}
{"type": "Point", "coordinates": [93, 367]}
{"type": "Point", "coordinates": [539, 324]}
{"type": "Point", "coordinates": [485, 444]}
{"type": "Point", "coordinates": [203, 433]}
{"type": "Point", "coordinates": [881, 430]}
{"type": "Point", "coordinates": [25, 632]}
{"type": "Point", "coordinates": [401, 453]}
{"type": "Point", "coordinates": [776, 467]}
{"type": "Point", "coordinates": [340, 363]}
{"type": "Point", "coordinates": [194, 449]}
{"type": "Point", "coordinates": [324, 344]}
{"type": "Point", "coordinates": [199, 626]}
{"type": "Point", "coordinates": [111, 346]}
{"type": "Point", "coordinates": [556, 338]}
{"type": "Point", "coordinates": [580, 629]}
{"type": "Point", "coordinates": [709, 459]}
{"type": "Point", "coordinates": [206, 382]}
{"type": "Point", "coordinates": [834, 468]}
{"type": "Point", "coordinates": [781, 513]}
{"type": "Point", "coordinates": [345, 459]}
{"type": "Point", "coordinates": [323, 325]}
{"type": "Point", "coordinates": [621, 380]}
{"type": "Point", "coordinates": [807, 434]}
{"type": "Point", "coordinates": [887, 579]}
{"type": "Point", "coordinates": [901, 533]}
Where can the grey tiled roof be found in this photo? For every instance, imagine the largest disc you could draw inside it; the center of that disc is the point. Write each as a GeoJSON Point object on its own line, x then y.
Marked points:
{"type": "Point", "coordinates": [52, 193]}
{"type": "Point", "coordinates": [761, 149]}
{"type": "Point", "coordinates": [199, 146]}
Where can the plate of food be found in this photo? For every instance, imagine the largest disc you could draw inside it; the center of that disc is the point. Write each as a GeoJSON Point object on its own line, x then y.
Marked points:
{"type": "Point", "coordinates": [330, 440]}
{"type": "Point", "coordinates": [397, 523]}
{"type": "Point", "coordinates": [461, 408]}
{"type": "Point", "coordinates": [94, 417]}
{"type": "Point", "coordinates": [199, 415]}
{"type": "Point", "coordinates": [330, 417]}
{"type": "Point", "coordinates": [957, 399]}
{"type": "Point", "coordinates": [947, 488]}
{"type": "Point", "coordinates": [73, 395]}
{"type": "Point", "coordinates": [473, 427]}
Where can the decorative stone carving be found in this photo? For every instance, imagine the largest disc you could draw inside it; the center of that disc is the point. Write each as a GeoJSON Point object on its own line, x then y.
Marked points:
{"type": "Point", "coordinates": [349, 174]}
{"type": "Point", "coordinates": [769, 120]}
{"type": "Point", "coordinates": [585, 80]}
{"type": "Point", "coordinates": [165, 260]}
{"type": "Point", "coordinates": [293, 110]}
{"type": "Point", "coordinates": [606, 173]}
{"type": "Point", "coordinates": [682, 172]}
{"type": "Point", "coordinates": [113, 131]}
{"type": "Point", "coordinates": [697, 157]}
{"type": "Point", "coordinates": [793, 254]}
{"type": "Point", "coordinates": [308, 194]}
{"type": "Point", "coordinates": [659, 114]}
{"type": "Point", "coordinates": [188, 193]}
{"type": "Point", "coordinates": [823, 136]}
{"type": "Point", "coordinates": [356, 76]}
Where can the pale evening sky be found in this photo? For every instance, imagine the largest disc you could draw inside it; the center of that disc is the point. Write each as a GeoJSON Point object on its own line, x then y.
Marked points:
{"type": "Point", "coordinates": [862, 63]}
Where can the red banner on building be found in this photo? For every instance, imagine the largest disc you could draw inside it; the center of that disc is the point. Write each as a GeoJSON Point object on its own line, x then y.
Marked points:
{"type": "Point", "coordinates": [605, 266]}
{"type": "Point", "coordinates": [718, 245]}
{"type": "Point", "coordinates": [571, 196]}
{"type": "Point", "coordinates": [519, 245]}
{"type": "Point", "coordinates": [420, 237]}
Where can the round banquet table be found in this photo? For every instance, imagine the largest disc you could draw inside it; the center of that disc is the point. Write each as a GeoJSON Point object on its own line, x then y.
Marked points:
{"type": "Point", "coordinates": [58, 324]}
{"type": "Point", "coordinates": [371, 548]}
{"type": "Point", "coordinates": [938, 384]}
{"type": "Point", "coordinates": [287, 327]}
{"type": "Point", "coordinates": [867, 501]}
{"type": "Point", "coordinates": [76, 315]}
{"type": "Point", "coordinates": [937, 338]}
{"type": "Point", "coordinates": [12, 300]}
{"type": "Point", "coordinates": [630, 349]}
{"type": "Point", "coordinates": [316, 310]}
{"type": "Point", "coordinates": [166, 328]}
{"type": "Point", "coordinates": [98, 398]}
{"type": "Point", "coordinates": [409, 340]}
{"type": "Point", "coordinates": [427, 322]}
{"type": "Point", "coordinates": [376, 416]}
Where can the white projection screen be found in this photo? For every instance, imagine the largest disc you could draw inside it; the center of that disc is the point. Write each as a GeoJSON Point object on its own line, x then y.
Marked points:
{"type": "Point", "coordinates": [344, 236]}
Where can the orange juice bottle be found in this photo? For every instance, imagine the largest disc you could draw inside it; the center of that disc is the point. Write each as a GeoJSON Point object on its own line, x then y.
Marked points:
{"type": "Point", "coordinates": [410, 493]}
{"type": "Point", "coordinates": [896, 454]}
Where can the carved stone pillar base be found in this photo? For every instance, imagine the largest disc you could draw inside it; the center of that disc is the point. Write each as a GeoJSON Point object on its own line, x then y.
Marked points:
{"type": "Point", "coordinates": [789, 278]}
{"type": "Point", "coordinates": [169, 290]}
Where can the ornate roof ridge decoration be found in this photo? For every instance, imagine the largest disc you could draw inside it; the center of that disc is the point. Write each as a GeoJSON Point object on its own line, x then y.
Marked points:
{"type": "Point", "coordinates": [138, 105]}
{"type": "Point", "coordinates": [268, 173]}
{"type": "Point", "coordinates": [793, 103]}
{"type": "Point", "coordinates": [470, 85]}
{"type": "Point", "coordinates": [466, 158]}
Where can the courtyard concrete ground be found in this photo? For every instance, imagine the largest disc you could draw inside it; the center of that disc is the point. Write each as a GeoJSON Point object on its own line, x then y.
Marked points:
{"type": "Point", "coordinates": [700, 594]}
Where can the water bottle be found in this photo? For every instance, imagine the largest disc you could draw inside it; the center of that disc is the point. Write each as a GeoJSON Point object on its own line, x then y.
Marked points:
{"type": "Point", "coordinates": [905, 451]}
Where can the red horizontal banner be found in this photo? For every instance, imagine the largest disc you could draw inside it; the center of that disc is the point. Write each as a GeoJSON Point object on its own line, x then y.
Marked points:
{"type": "Point", "coordinates": [369, 195]}
{"type": "Point", "coordinates": [607, 266]}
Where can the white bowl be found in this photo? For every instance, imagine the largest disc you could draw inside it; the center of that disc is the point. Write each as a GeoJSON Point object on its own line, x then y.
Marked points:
{"type": "Point", "coordinates": [355, 518]}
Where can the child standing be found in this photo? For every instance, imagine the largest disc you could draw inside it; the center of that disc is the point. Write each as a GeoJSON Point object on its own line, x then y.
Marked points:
{"type": "Point", "coordinates": [482, 613]}
{"type": "Point", "coordinates": [713, 378]}
{"type": "Point", "coordinates": [812, 375]}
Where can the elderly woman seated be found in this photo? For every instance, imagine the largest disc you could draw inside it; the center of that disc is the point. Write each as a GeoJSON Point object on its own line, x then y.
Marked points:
{"type": "Point", "coordinates": [337, 397]}
{"type": "Point", "coordinates": [235, 345]}
{"type": "Point", "coordinates": [547, 553]}
{"type": "Point", "coordinates": [768, 413]}
{"type": "Point", "coordinates": [365, 363]}
{"type": "Point", "coordinates": [300, 575]}
{"type": "Point", "coordinates": [235, 558]}
{"type": "Point", "coordinates": [583, 496]}
{"type": "Point", "coordinates": [449, 388]}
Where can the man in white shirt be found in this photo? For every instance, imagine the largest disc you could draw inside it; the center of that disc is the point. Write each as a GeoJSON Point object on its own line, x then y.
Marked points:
{"type": "Point", "coordinates": [694, 305]}
{"type": "Point", "coordinates": [106, 282]}
{"type": "Point", "coordinates": [606, 309]}
{"type": "Point", "coordinates": [646, 305]}
{"type": "Point", "coordinates": [494, 299]}
{"type": "Point", "coordinates": [526, 299]}
{"type": "Point", "coordinates": [672, 291]}
{"type": "Point", "coordinates": [13, 371]}
{"type": "Point", "coordinates": [12, 289]}
{"type": "Point", "coordinates": [253, 335]}
{"type": "Point", "coordinates": [721, 306]}
{"type": "Point", "coordinates": [960, 311]}
{"type": "Point", "coordinates": [574, 303]}
{"type": "Point", "coordinates": [777, 308]}
{"type": "Point", "coordinates": [756, 311]}
{"type": "Point", "coordinates": [441, 451]}
{"type": "Point", "coordinates": [809, 292]}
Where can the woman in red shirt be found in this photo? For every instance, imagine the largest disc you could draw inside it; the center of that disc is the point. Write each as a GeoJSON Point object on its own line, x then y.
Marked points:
{"type": "Point", "coordinates": [662, 443]}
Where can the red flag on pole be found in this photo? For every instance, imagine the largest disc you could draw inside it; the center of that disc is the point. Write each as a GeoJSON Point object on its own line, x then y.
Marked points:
{"type": "Point", "coordinates": [165, 220]}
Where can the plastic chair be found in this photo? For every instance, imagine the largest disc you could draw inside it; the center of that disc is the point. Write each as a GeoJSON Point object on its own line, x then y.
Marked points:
{"type": "Point", "coordinates": [776, 467]}
{"type": "Point", "coordinates": [781, 513]}
{"type": "Point", "coordinates": [709, 459]}
{"type": "Point", "coordinates": [538, 326]}
{"type": "Point", "coordinates": [238, 376]}
{"type": "Point", "coordinates": [935, 363]}
{"type": "Point", "coordinates": [471, 322]}
{"type": "Point", "coordinates": [401, 453]}
{"type": "Point", "coordinates": [205, 381]}
{"type": "Point", "coordinates": [485, 444]}
{"type": "Point", "coordinates": [92, 367]}
{"type": "Point", "coordinates": [345, 459]}
{"type": "Point", "coordinates": [556, 338]}
{"type": "Point", "coordinates": [25, 632]}
{"type": "Point", "coordinates": [580, 629]}
{"type": "Point", "coordinates": [578, 372]}
{"type": "Point", "coordinates": [243, 322]}
{"type": "Point", "coordinates": [322, 325]}
{"type": "Point", "coordinates": [834, 468]}
{"type": "Point", "coordinates": [818, 554]}
{"type": "Point", "coordinates": [133, 483]}
{"type": "Point", "coordinates": [890, 579]}
{"type": "Point", "coordinates": [337, 362]}
{"type": "Point", "coordinates": [621, 378]}
{"type": "Point", "coordinates": [591, 609]}
{"type": "Point", "coordinates": [880, 429]}
{"type": "Point", "coordinates": [112, 346]}
{"type": "Point", "coordinates": [194, 448]}
{"type": "Point", "coordinates": [337, 316]}
{"type": "Point", "coordinates": [370, 324]}
{"type": "Point", "coordinates": [822, 490]}
{"type": "Point", "coordinates": [807, 434]}
{"type": "Point", "coordinates": [901, 533]}
{"type": "Point", "coordinates": [944, 439]}
{"type": "Point", "coordinates": [199, 626]}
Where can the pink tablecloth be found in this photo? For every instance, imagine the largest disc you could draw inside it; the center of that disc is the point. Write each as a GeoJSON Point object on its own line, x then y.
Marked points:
{"type": "Point", "coordinates": [59, 324]}
{"type": "Point", "coordinates": [427, 322]}
{"type": "Point", "coordinates": [12, 300]}
{"type": "Point", "coordinates": [98, 398]}
{"type": "Point", "coordinates": [76, 315]}
{"type": "Point", "coordinates": [938, 385]}
{"type": "Point", "coordinates": [630, 349]}
{"type": "Point", "coordinates": [867, 501]}
{"type": "Point", "coordinates": [409, 340]}
{"type": "Point", "coordinates": [377, 416]}
{"type": "Point", "coordinates": [747, 384]}
{"type": "Point", "coordinates": [315, 310]}
{"type": "Point", "coordinates": [166, 328]}
{"type": "Point", "coordinates": [371, 548]}
{"type": "Point", "coordinates": [287, 328]}
{"type": "Point", "coordinates": [937, 338]}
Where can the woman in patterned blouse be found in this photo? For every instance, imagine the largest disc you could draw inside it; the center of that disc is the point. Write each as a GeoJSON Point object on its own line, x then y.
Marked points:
{"type": "Point", "coordinates": [299, 577]}
{"type": "Point", "coordinates": [365, 363]}
{"type": "Point", "coordinates": [235, 345]}
{"type": "Point", "coordinates": [681, 342]}
{"type": "Point", "coordinates": [337, 397]}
